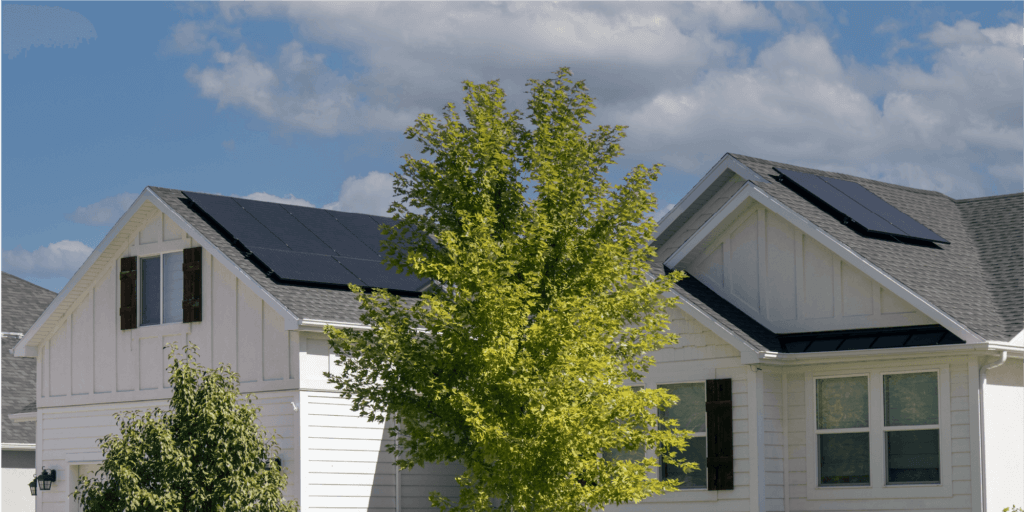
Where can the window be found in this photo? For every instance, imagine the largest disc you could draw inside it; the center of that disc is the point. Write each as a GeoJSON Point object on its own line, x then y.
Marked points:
{"type": "Point", "coordinates": [160, 289]}
{"type": "Point", "coordinates": [911, 427]}
{"type": "Point", "coordinates": [842, 421]}
{"type": "Point", "coordinates": [631, 455]}
{"type": "Point", "coordinates": [898, 411]}
{"type": "Point", "coordinates": [689, 412]}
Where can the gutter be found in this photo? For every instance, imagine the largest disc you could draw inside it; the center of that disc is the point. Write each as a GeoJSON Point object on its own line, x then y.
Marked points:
{"type": "Point", "coordinates": [783, 358]}
{"type": "Point", "coordinates": [22, 417]}
{"type": "Point", "coordinates": [981, 412]}
{"type": "Point", "coordinates": [18, 447]}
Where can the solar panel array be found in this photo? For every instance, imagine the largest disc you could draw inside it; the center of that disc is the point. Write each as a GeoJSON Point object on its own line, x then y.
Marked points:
{"type": "Point", "coordinates": [857, 204]}
{"type": "Point", "coordinates": [308, 245]}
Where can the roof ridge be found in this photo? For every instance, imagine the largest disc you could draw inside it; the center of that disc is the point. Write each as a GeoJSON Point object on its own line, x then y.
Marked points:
{"type": "Point", "coordinates": [175, 190]}
{"type": "Point", "coordinates": [845, 176]}
{"type": "Point", "coordinates": [984, 198]}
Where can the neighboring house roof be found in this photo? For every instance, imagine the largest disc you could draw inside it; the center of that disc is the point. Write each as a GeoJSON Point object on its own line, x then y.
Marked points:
{"type": "Point", "coordinates": [310, 302]}
{"type": "Point", "coordinates": [978, 278]}
{"type": "Point", "coordinates": [22, 303]}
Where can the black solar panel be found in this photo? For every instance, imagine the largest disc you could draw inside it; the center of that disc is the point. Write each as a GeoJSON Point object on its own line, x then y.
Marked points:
{"type": "Point", "coordinates": [853, 203]}
{"type": "Point", "coordinates": [308, 245]}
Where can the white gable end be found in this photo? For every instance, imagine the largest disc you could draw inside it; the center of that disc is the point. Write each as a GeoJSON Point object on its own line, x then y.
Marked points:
{"type": "Point", "coordinates": [788, 281]}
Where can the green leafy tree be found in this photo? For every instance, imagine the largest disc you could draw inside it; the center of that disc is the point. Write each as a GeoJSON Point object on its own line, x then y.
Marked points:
{"type": "Point", "coordinates": [517, 364]}
{"type": "Point", "coordinates": [205, 453]}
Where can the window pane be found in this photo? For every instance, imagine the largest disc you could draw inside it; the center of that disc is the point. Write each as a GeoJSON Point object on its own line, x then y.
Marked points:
{"type": "Point", "coordinates": [843, 402]}
{"type": "Point", "coordinates": [149, 296]}
{"type": "Point", "coordinates": [174, 281]}
{"type": "Point", "coordinates": [697, 451]}
{"type": "Point", "coordinates": [689, 410]}
{"type": "Point", "coordinates": [911, 399]}
{"type": "Point", "coordinates": [913, 456]}
{"type": "Point", "coordinates": [844, 459]}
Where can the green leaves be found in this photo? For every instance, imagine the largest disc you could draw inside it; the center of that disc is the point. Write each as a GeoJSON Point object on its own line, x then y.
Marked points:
{"type": "Point", "coordinates": [206, 452]}
{"type": "Point", "coordinates": [518, 363]}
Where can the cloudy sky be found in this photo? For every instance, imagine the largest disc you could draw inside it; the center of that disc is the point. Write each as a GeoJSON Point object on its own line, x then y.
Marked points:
{"type": "Point", "coordinates": [306, 102]}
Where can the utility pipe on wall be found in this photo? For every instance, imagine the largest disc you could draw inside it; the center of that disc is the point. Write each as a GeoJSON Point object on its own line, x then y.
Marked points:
{"type": "Point", "coordinates": [981, 406]}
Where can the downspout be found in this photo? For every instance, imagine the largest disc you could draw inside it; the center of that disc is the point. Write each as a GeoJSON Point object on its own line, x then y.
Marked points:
{"type": "Point", "coordinates": [785, 442]}
{"type": "Point", "coordinates": [981, 407]}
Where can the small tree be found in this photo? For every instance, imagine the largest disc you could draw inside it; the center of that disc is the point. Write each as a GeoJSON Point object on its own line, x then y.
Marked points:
{"type": "Point", "coordinates": [517, 364]}
{"type": "Point", "coordinates": [205, 453]}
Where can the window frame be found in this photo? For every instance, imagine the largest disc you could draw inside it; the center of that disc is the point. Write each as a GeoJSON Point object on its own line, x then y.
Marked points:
{"type": "Point", "coordinates": [138, 287]}
{"type": "Point", "coordinates": [851, 430]}
{"type": "Point", "coordinates": [661, 465]}
{"type": "Point", "coordinates": [878, 487]}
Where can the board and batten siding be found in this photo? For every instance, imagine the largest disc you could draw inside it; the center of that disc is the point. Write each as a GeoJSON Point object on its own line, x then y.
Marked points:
{"type": "Point", "coordinates": [70, 436]}
{"type": "Point", "coordinates": [698, 356]}
{"type": "Point", "coordinates": [346, 463]}
{"type": "Point", "coordinates": [788, 281]}
{"type": "Point", "coordinates": [89, 359]}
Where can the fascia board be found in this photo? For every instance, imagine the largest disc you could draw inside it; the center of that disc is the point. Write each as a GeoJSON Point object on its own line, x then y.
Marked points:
{"type": "Point", "coordinates": [291, 321]}
{"type": "Point", "coordinates": [888, 354]}
{"type": "Point", "coordinates": [27, 340]}
{"type": "Point", "coordinates": [22, 349]}
{"type": "Point", "coordinates": [752, 191]}
{"type": "Point", "coordinates": [727, 162]}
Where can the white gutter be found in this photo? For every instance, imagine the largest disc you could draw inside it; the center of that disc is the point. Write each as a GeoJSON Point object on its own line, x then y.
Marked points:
{"type": "Point", "coordinates": [22, 417]}
{"type": "Point", "coordinates": [18, 447]}
{"type": "Point", "coordinates": [981, 410]}
{"type": "Point", "coordinates": [320, 324]}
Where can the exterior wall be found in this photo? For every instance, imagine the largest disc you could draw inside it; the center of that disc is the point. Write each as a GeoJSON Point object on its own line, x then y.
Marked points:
{"type": "Point", "coordinates": [18, 470]}
{"type": "Point", "coordinates": [69, 440]}
{"type": "Point", "coordinates": [788, 281]}
{"type": "Point", "coordinates": [1004, 436]}
{"type": "Point", "coordinates": [956, 441]}
{"type": "Point", "coordinates": [698, 356]}
{"type": "Point", "coordinates": [345, 460]}
{"type": "Point", "coordinates": [90, 360]}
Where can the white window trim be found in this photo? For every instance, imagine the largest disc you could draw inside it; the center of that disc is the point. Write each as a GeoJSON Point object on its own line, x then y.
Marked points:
{"type": "Point", "coordinates": [138, 285]}
{"type": "Point", "coordinates": [878, 489]}
{"type": "Point", "coordinates": [682, 494]}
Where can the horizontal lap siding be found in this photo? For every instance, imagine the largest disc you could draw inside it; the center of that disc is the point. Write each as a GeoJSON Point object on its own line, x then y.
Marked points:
{"type": "Point", "coordinates": [959, 432]}
{"type": "Point", "coordinates": [71, 434]}
{"type": "Point", "coordinates": [700, 355]}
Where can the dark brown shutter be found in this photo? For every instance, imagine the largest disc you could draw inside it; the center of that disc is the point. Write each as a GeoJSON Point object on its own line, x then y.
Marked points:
{"type": "Point", "coordinates": [129, 299]}
{"type": "Point", "coordinates": [719, 409]}
{"type": "Point", "coordinates": [192, 292]}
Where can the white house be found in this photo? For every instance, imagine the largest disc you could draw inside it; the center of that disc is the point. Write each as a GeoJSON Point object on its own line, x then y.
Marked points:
{"type": "Point", "coordinates": [840, 367]}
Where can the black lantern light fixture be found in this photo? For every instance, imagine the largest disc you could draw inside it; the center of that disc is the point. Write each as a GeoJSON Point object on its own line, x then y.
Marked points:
{"type": "Point", "coordinates": [32, 486]}
{"type": "Point", "coordinates": [47, 479]}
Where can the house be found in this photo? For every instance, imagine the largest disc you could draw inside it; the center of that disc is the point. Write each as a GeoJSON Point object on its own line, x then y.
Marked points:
{"type": "Point", "coordinates": [826, 361]}
{"type": "Point", "coordinates": [23, 302]}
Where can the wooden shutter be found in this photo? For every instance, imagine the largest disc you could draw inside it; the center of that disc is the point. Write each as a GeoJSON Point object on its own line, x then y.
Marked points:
{"type": "Point", "coordinates": [192, 292]}
{"type": "Point", "coordinates": [719, 409]}
{"type": "Point", "coordinates": [129, 297]}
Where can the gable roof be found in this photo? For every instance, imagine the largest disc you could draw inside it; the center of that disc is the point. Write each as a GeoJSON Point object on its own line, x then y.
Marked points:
{"type": "Point", "coordinates": [976, 279]}
{"type": "Point", "coordinates": [22, 303]}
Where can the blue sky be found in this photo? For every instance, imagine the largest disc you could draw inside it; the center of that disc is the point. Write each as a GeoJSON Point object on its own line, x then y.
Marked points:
{"type": "Point", "coordinates": [306, 103]}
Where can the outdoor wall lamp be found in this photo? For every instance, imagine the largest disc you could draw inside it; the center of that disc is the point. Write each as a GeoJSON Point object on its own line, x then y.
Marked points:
{"type": "Point", "coordinates": [269, 464]}
{"type": "Point", "coordinates": [47, 479]}
{"type": "Point", "coordinates": [32, 486]}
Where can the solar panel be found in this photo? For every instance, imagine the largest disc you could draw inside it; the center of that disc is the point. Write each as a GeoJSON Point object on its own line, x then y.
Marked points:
{"type": "Point", "coordinates": [900, 220]}
{"type": "Point", "coordinates": [852, 202]}
{"type": "Point", "coordinates": [239, 223]}
{"type": "Point", "coordinates": [375, 271]}
{"type": "Point", "coordinates": [281, 223]}
{"type": "Point", "coordinates": [308, 245]}
{"type": "Point", "coordinates": [322, 224]}
{"type": "Point", "coordinates": [306, 267]}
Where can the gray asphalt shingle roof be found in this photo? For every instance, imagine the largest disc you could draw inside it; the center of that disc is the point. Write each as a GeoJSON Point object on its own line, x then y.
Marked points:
{"type": "Point", "coordinates": [976, 279]}
{"type": "Point", "coordinates": [22, 304]}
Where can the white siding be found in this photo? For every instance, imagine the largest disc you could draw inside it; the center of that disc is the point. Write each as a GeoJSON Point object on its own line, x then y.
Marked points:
{"type": "Point", "coordinates": [859, 499]}
{"type": "Point", "coordinates": [700, 355]}
{"type": "Point", "coordinates": [70, 437]}
{"type": "Point", "coordinates": [89, 359]}
{"type": "Point", "coordinates": [1004, 453]}
{"type": "Point", "coordinates": [788, 281]}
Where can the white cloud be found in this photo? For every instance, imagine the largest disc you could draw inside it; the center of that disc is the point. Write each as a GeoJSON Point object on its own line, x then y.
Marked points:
{"type": "Point", "coordinates": [371, 194]}
{"type": "Point", "coordinates": [25, 26]}
{"type": "Point", "coordinates": [270, 198]}
{"type": "Point", "coordinates": [103, 212]}
{"type": "Point", "coordinates": [661, 212]}
{"type": "Point", "coordinates": [59, 259]}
